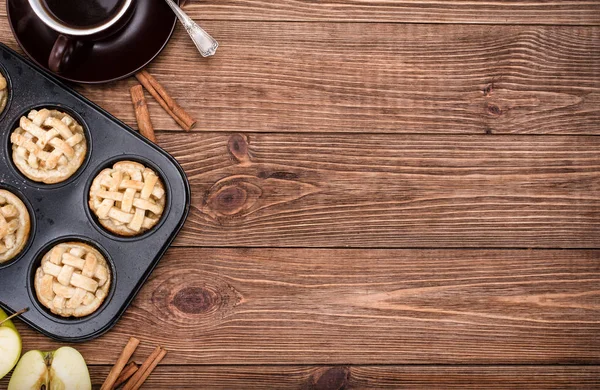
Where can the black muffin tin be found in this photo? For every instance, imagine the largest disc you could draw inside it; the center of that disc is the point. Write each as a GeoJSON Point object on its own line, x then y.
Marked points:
{"type": "Point", "coordinates": [60, 212]}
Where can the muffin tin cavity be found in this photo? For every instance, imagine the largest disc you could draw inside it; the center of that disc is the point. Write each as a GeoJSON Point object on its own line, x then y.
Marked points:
{"type": "Point", "coordinates": [48, 144]}
{"type": "Point", "coordinates": [15, 226]}
{"type": "Point", "coordinates": [4, 91]}
{"type": "Point", "coordinates": [71, 279]}
{"type": "Point", "coordinates": [62, 210]}
{"type": "Point", "coordinates": [127, 198]}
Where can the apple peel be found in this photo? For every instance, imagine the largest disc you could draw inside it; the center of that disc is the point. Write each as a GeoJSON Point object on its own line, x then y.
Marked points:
{"type": "Point", "coordinates": [10, 317]}
{"type": "Point", "coordinates": [10, 343]}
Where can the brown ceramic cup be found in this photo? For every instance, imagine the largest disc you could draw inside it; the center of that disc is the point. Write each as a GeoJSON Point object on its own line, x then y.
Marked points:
{"type": "Point", "coordinates": [73, 39]}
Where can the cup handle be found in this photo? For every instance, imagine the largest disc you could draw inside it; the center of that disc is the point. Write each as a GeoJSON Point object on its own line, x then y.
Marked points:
{"type": "Point", "coordinates": [62, 53]}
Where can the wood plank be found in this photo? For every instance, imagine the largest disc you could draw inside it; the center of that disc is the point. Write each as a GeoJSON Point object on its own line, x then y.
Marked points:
{"type": "Point", "coordinates": [390, 191]}
{"type": "Point", "coordinates": [532, 12]}
{"type": "Point", "coordinates": [366, 377]}
{"type": "Point", "coordinates": [303, 306]}
{"type": "Point", "coordinates": [348, 77]}
{"type": "Point", "coordinates": [384, 78]}
{"type": "Point", "coordinates": [419, 11]}
{"type": "Point", "coordinates": [362, 377]}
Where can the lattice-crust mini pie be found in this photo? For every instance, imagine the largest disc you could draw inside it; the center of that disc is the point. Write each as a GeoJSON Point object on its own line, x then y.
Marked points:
{"type": "Point", "coordinates": [73, 279]}
{"type": "Point", "coordinates": [3, 93]}
{"type": "Point", "coordinates": [14, 225]}
{"type": "Point", "coordinates": [128, 198]}
{"type": "Point", "coordinates": [48, 146]}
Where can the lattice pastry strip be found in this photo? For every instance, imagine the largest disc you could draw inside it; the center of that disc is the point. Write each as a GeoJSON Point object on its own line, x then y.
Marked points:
{"type": "Point", "coordinates": [3, 93]}
{"type": "Point", "coordinates": [48, 146]}
{"type": "Point", "coordinates": [14, 225]}
{"type": "Point", "coordinates": [128, 198]}
{"type": "Point", "coordinates": [73, 280]}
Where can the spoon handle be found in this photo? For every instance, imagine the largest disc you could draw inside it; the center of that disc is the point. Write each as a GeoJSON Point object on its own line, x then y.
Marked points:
{"type": "Point", "coordinates": [206, 44]}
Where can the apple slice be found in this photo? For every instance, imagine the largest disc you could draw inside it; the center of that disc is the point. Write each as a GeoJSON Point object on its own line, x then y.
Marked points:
{"type": "Point", "coordinates": [10, 349]}
{"type": "Point", "coordinates": [31, 372]}
{"type": "Point", "coordinates": [62, 369]}
{"type": "Point", "coordinates": [10, 345]}
{"type": "Point", "coordinates": [69, 371]}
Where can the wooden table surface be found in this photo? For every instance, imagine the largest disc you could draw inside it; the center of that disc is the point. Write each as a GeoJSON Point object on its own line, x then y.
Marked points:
{"type": "Point", "coordinates": [385, 194]}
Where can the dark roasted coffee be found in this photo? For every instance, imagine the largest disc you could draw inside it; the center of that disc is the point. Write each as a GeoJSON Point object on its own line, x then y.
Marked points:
{"type": "Point", "coordinates": [83, 13]}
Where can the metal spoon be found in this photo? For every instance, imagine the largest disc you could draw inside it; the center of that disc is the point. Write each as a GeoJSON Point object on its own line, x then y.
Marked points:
{"type": "Point", "coordinates": [206, 44]}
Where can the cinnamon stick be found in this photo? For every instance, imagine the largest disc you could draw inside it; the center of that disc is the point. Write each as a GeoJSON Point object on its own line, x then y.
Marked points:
{"type": "Point", "coordinates": [165, 100]}
{"type": "Point", "coordinates": [141, 112]}
{"type": "Point", "coordinates": [127, 373]}
{"type": "Point", "coordinates": [138, 379]}
{"type": "Point", "coordinates": [150, 369]}
{"type": "Point", "coordinates": [114, 373]}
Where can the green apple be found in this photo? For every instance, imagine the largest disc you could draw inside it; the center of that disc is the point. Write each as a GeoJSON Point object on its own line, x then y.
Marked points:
{"type": "Point", "coordinates": [63, 369]}
{"type": "Point", "coordinates": [10, 345]}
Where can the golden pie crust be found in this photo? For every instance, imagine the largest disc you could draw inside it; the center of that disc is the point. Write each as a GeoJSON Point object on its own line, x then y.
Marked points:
{"type": "Point", "coordinates": [14, 226]}
{"type": "Point", "coordinates": [3, 93]}
{"type": "Point", "coordinates": [73, 279]}
{"type": "Point", "coordinates": [128, 198]}
{"type": "Point", "coordinates": [49, 146]}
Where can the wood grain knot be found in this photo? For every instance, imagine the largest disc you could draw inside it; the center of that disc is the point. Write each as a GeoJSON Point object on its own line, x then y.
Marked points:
{"type": "Point", "coordinates": [238, 148]}
{"type": "Point", "coordinates": [331, 378]}
{"type": "Point", "coordinates": [230, 200]}
{"type": "Point", "coordinates": [233, 197]}
{"type": "Point", "coordinates": [494, 110]}
{"type": "Point", "coordinates": [488, 89]}
{"type": "Point", "coordinates": [189, 297]}
{"type": "Point", "coordinates": [195, 300]}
